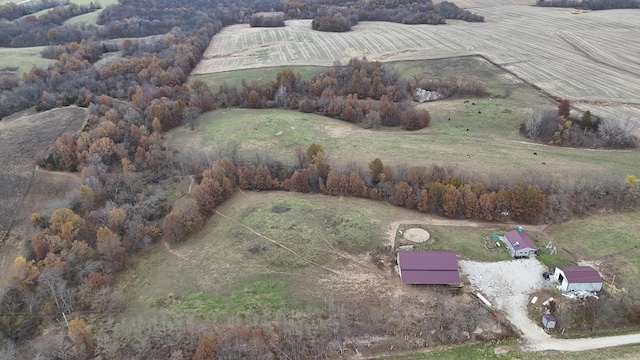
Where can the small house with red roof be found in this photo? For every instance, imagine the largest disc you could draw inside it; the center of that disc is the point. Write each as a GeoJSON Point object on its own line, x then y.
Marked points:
{"type": "Point", "coordinates": [573, 278]}
{"type": "Point", "coordinates": [520, 243]}
{"type": "Point", "coordinates": [428, 267]}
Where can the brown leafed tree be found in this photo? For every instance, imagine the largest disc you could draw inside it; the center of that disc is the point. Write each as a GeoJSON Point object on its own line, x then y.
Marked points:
{"type": "Point", "coordinates": [377, 170]}
{"type": "Point", "coordinates": [516, 200]}
{"type": "Point", "coordinates": [332, 185]}
{"type": "Point", "coordinates": [436, 197]}
{"type": "Point", "coordinates": [402, 195]}
{"type": "Point", "coordinates": [486, 206]}
{"type": "Point", "coordinates": [206, 349]}
{"type": "Point", "coordinates": [183, 220]}
{"type": "Point", "coordinates": [470, 201]}
{"type": "Point", "coordinates": [564, 108]}
{"type": "Point", "coordinates": [298, 182]}
{"type": "Point", "coordinates": [81, 335]}
{"type": "Point", "coordinates": [452, 202]}
{"type": "Point", "coordinates": [423, 202]}
{"type": "Point", "coordinates": [535, 203]}
{"type": "Point", "coordinates": [356, 186]}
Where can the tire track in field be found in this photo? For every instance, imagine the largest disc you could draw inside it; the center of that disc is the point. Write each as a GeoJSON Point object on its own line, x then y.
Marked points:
{"type": "Point", "coordinates": [584, 53]}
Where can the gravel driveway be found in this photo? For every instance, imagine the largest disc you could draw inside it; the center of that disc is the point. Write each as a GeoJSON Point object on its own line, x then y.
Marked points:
{"type": "Point", "coordinates": [507, 285]}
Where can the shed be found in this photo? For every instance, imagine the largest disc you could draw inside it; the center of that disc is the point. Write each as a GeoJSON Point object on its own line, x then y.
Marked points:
{"type": "Point", "coordinates": [572, 278]}
{"type": "Point", "coordinates": [549, 321]}
{"type": "Point", "coordinates": [428, 267]}
{"type": "Point", "coordinates": [519, 243]}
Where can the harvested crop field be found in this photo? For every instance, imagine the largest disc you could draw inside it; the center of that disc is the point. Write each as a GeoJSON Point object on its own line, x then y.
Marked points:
{"type": "Point", "coordinates": [588, 58]}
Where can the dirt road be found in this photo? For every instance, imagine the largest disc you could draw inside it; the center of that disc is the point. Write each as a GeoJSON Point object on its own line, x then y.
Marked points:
{"type": "Point", "coordinates": [507, 285]}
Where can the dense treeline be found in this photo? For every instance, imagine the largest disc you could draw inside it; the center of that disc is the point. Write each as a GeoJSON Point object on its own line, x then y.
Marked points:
{"type": "Point", "coordinates": [267, 20]}
{"type": "Point", "coordinates": [370, 94]}
{"type": "Point", "coordinates": [592, 4]}
{"type": "Point", "coordinates": [327, 12]}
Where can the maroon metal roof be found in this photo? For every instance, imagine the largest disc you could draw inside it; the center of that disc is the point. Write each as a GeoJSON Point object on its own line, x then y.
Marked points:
{"type": "Point", "coordinates": [522, 240]}
{"type": "Point", "coordinates": [431, 277]}
{"type": "Point", "coordinates": [429, 267]}
{"type": "Point", "coordinates": [581, 274]}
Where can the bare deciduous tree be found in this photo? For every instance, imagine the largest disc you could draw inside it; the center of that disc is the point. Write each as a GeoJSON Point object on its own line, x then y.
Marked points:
{"type": "Point", "coordinates": [541, 123]}
{"type": "Point", "coordinates": [619, 133]}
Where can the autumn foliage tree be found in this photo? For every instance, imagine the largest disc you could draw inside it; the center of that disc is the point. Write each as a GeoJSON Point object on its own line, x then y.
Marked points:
{"type": "Point", "coordinates": [564, 108]}
{"type": "Point", "coordinates": [184, 219]}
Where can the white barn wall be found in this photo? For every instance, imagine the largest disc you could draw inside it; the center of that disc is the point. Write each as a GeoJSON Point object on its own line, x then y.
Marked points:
{"type": "Point", "coordinates": [566, 286]}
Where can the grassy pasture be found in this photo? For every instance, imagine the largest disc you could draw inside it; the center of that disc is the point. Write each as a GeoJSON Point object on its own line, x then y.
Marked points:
{"type": "Point", "coordinates": [260, 76]}
{"type": "Point", "coordinates": [23, 58]}
{"type": "Point", "coordinates": [466, 241]}
{"type": "Point", "coordinates": [89, 18]}
{"type": "Point", "coordinates": [491, 147]}
{"type": "Point", "coordinates": [610, 242]}
{"type": "Point", "coordinates": [226, 270]}
{"type": "Point", "coordinates": [574, 58]}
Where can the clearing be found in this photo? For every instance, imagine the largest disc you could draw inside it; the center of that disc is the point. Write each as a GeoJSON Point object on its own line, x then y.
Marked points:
{"type": "Point", "coordinates": [590, 59]}
{"type": "Point", "coordinates": [23, 58]}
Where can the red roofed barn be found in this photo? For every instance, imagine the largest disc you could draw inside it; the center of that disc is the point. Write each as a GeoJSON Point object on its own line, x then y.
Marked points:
{"type": "Point", "coordinates": [519, 243]}
{"type": "Point", "coordinates": [573, 278]}
{"type": "Point", "coordinates": [428, 267]}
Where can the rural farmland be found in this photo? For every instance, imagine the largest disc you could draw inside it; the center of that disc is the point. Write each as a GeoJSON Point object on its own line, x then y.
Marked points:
{"type": "Point", "coordinates": [588, 58]}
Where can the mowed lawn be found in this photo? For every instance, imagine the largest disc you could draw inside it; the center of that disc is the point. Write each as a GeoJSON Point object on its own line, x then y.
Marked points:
{"type": "Point", "coordinates": [226, 269]}
{"type": "Point", "coordinates": [491, 146]}
{"type": "Point", "coordinates": [611, 242]}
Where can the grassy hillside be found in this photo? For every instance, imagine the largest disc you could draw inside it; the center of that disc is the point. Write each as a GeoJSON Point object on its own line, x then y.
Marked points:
{"type": "Point", "coordinates": [227, 269]}
{"type": "Point", "coordinates": [234, 78]}
{"type": "Point", "coordinates": [492, 145]}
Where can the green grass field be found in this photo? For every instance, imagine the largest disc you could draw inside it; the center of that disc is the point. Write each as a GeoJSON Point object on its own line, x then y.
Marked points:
{"type": "Point", "coordinates": [226, 269]}
{"type": "Point", "coordinates": [467, 242]}
{"type": "Point", "coordinates": [259, 76]}
{"type": "Point", "coordinates": [478, 136]}
{"type": "Point", "coordinates": [611, 241]}
{"type": "Point", "coordinates": [510, 350]}
{"type": "Point", "coordinates": [490, 147]}
{"type": "Point", "coordinates": [23, 58]}
{"type": "Point", "coordinates": [89, 18]}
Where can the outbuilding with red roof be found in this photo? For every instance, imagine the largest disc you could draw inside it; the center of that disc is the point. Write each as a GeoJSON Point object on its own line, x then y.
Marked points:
{"type": "Point", "coordinates": [520, 243]}
{"type": "Point", "coordinates": [428, 267]}
{"type": "Point", "coordinates": [573, 278]}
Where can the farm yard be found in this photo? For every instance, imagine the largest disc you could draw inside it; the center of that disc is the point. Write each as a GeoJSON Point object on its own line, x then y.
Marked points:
{"type": "Point", "coordinates": [590, 58]}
